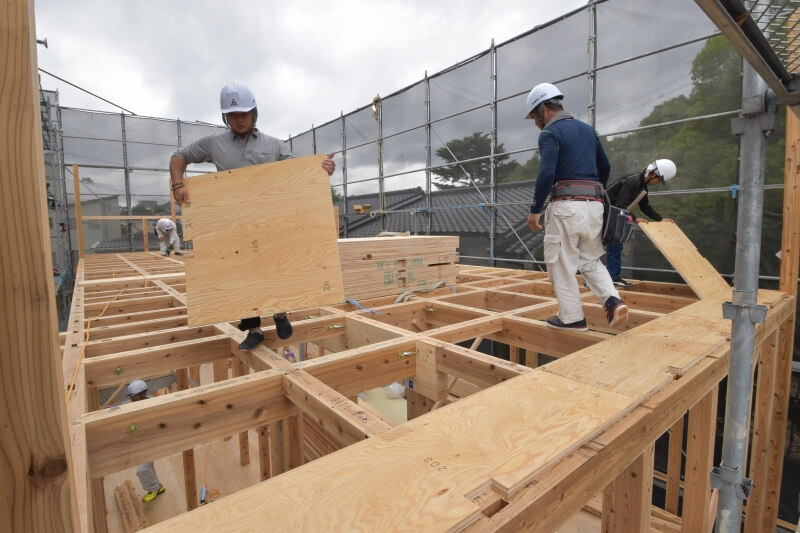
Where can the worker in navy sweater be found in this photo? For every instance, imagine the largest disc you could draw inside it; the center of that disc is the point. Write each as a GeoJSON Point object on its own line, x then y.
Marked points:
{"type": "Point", "coordinates": [623, 193]}
{"type": "Point", "coordinates": [242, 145]}
{"type": "Point", "coordinates": [573, 170]}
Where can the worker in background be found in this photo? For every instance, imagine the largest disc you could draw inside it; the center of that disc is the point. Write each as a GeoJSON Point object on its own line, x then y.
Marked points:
{"type": "Point", "coordinates": [623, 194]}
{"type": "Point", "coordinates": [137, 391]}
{"type": "Point", "coordinates": [573, 170]}
{"type": "Point", "coordinates": [242, 145]}
{"type": "Point", "coordinates": [168, 236]}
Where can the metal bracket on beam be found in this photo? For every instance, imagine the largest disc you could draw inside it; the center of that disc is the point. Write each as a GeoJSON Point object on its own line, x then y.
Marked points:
{"type": "Point", "coordinates": [741, 308]}
{"type": "Point", "coordinates": [722, 475]}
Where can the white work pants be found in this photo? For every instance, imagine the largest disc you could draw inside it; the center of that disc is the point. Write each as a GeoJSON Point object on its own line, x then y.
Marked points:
{"type": "Point", "coordinates": [168, 237]}
{"type": "Point", "coordinates": [572, 243]}
{"type": "Point", "coordinates": [147, 477]}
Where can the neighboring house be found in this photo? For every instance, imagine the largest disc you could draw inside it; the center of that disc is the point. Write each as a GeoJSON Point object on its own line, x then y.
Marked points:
{"type": "Point", "coordinates": [95, 231]}
{"type": "Point", "coordinates": [454, 212]}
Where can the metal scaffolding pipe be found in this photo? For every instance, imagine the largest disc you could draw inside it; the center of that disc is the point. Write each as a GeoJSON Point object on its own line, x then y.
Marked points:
{"type": "Point", "coordinates": [756, 120]}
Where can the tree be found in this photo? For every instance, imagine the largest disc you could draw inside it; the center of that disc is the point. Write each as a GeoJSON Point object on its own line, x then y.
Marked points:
{"type": "Point", "coordinates": [477, 145]}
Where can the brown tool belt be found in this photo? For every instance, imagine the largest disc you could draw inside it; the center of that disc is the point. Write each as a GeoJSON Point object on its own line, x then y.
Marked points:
{"type": "Point", "coordinates": [577, 190]}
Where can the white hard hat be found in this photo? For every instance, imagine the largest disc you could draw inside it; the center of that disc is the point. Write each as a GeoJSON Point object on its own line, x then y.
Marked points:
{"type": "Point", "coordinates": [235, 97]}
{"type": "Point", "coordinates": [664, 168]}
{"type": "Point", "coordinates": [541, 93]}
{"type": "Point", "coordinates": [167, 223]}
{"type": "Point", "coordinates": [136, 386]}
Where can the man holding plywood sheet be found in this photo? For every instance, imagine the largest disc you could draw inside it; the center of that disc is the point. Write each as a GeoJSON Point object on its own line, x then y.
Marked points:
{"type": "Point", "coordinates": [242, 146]}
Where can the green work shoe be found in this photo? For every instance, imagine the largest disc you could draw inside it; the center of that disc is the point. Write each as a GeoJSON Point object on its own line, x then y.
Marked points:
{"type": "Point", "coordinates": [153, 494]}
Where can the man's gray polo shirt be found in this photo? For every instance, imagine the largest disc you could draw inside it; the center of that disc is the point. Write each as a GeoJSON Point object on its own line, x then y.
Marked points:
{"type": "Point", "coordinates": [226, 151]}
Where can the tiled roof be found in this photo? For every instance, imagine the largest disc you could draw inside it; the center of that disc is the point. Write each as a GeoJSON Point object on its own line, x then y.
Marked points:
{"type": "Point", "coordinates": [454, 212]}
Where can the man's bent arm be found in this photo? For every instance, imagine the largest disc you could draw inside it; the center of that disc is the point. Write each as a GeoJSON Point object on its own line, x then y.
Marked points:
{"type": "Point", "coordinates": [177, 167]}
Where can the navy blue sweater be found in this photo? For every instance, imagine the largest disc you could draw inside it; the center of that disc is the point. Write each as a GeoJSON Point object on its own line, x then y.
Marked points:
{"type": "Point", "coordinates": [569, 150]}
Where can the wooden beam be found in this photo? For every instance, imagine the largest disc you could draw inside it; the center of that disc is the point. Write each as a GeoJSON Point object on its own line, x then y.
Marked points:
{"type": "Point", "coordinates": [109, 370]}
{"type": "Point", "coordinates": [333, 411]}
{"type": "Point", "coordinates": [37, 492]}
{"type": "Point", "coordinates": [481, 369]}
{"type": "Point", "coordinates": [169, 424]}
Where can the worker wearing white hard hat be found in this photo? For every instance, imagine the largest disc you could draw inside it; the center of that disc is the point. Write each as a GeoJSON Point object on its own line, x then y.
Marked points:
{"type": "Point", "coordinates": [573, 170]}
{"type": "Point", "coordinates": [242, 145]}
{"type": "Point", "coordinates": [167, 235]}
{"type": "Point", "coordinates": [623, 194]}
{"type": "Point", "coordinates": [137, 391]}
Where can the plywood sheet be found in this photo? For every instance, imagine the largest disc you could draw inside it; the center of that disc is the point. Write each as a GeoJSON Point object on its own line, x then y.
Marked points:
{"type": "Point", "coordinates": [264, 241]}
{"type": "Point", "coordinates": [681, 253]}
{"type": "Point", "coordinates": [413, 476]}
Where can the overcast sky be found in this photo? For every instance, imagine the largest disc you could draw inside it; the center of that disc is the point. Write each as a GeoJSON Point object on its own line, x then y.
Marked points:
{"type": "Point", "coordinates": [305, 60]}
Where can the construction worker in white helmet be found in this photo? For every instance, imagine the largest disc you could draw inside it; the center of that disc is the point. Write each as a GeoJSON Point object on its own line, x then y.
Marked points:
{"type": "Point", "coordinates": [623, 194]}
{"type": "Point", "coordinates": [167, 235]}
{"type": "Point", "coordinates": [573, 170]}
{"type": "Point", "coordinates": [242, 145]}
{"type": "Point", "coordinates": [137, 391]}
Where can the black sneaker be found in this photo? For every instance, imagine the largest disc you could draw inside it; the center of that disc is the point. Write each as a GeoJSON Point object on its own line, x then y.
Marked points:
{"type": "Point", "coordinates": [253, 339]}
{"type": "Point", "coordinates": [282, 325]}
{"type": "Point", "coordinates": [616, 311]}
{"type": "Point", "coordinates": [178, 253]}
{"type": "Point", "coordinates": [555, 322]}
{"type": "Point", "coordinates": [622, 283]}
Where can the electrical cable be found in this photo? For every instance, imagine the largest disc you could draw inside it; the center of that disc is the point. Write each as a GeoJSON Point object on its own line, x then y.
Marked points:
{"type": "Point", "coordinates": [85, 342]}
{"type": "Point", "coordinates": [87, 92]}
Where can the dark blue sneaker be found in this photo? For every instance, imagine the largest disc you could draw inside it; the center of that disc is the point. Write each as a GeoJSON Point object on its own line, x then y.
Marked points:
{"type": "Point", "coordinates": [556, 323]}
{"type": "Point", "coordinates": [616, 311]}
{"type": "Point", "coordinates": [282, 325]}
{"type": "Point", "coordinates": [253, 339]}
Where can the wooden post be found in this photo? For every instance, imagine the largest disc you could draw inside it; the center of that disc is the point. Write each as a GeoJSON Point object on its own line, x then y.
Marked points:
{"type": "Point", "coordinates": [263, 452]}
{"type": "Point", "coordinates": [699, 460]}
{"type": "Point", "coordinates": [36, 491]}
{"type": "Point", "coordinates": [790, 262]}
{"type": "Point", "coordinates": [277, 448]}
{"type": "Point", "coordinates": [99, 511]}
{"type": "Point", "coordinates": [626, 501]}
{"type": "Point", "coordinates": [189, 468]}
{"type": "Point", "coordinates": [241, 369]}
{"type": "Point", "coordinates": [76, 181]}
{"type": "Point", "coordinates": [674, 466]}
{"type": "Point", "coordinates": [513, 354]}
{"type": "Point", "coordinates": [763, 420]}
{"type": "Point", "coordinates": [145, 235]}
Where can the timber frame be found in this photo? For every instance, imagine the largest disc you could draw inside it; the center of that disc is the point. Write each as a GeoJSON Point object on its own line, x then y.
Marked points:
{"type": "Point", "coordinates": [569, 434]}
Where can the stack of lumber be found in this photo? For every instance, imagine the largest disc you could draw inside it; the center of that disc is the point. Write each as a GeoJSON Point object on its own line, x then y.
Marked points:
{"type": "Point", "coordinates": [130, 508]}
{"type": "Point", "coordinates": [385, 266]}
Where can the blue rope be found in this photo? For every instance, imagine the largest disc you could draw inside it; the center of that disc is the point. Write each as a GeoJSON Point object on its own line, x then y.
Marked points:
{"type": "Point", "coordinates": [353, 302]}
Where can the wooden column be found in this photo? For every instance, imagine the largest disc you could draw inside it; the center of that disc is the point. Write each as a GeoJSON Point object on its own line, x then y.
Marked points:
{"type": "Point", "coordinates": [626, 501]}
{"type": "Point", "coordinates": [189, 466]}
{"type": "Point", "coordinates": [699, 460]}
{"type": "Point", "coordinates": [145, 235]}
{"type": "Point", "coordinates": [763, 421]}
{"type": "Point", "coordinates": [99, 511]}
{"type": "Point", "coordinates": [675, 455]}
{"type": "Point", "coordinates": [36, 491]}
{"type": "Point", "coordinates": [241, 369]}
{"type": "Point", "coordinates": [790, 244]}
{"type": "Point", "coordinates": [76, 182]}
